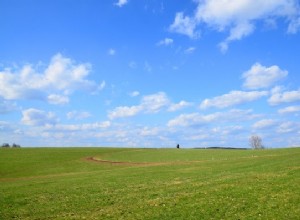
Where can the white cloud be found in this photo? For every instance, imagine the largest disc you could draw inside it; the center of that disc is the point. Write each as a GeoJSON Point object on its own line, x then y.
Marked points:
{"type": "Point", "coordinates": [36, 117]}
{"type": "Point", "coordinates": [232, 98]}
{"type": "Point", "coordinates": [190, 50]}
{"type": "Point", "coordinates": [263, 77]}
{"type": "Point", "coordinates": [58, 99]}
{"type": "Point", "coordinates": [165, 42]}
{"type": "Point", "coordinates": [287, 127]}
{"type": "Point", "coordinates": [265, 123]}
{"type": "Point", "coordinates": [111, 52]}
{"type": "Point", "coordinates": [7, 106]}
{"type": "Point", "coordinates": [186, 120]}
{"type": "Point", "coordinates": [63, 74]}
{"type": "Point", "coordinates": [77, 115]}
{"type": "Point", "coordinates": [284, 97]}
{"type": "Point", "coordinates": [153, 103]}
{"type": "Point", "coordinates": [184, 25]}
{"type": "Point", "coordinates": [61, 77]}
{"type": "Point", "coordinates": [240, 31]}
{"type": "Point", "coordinates": [289, 109]}
{"type": "Point", "coordinates": [121, 3]}
{"type": "Point", "coordinates": [124, 111]}
{"type": "Point", "coordinates": [277, 89]}
{"type": "Point", "coordinates": [237, 33]}
{"type": "Point", "coordinates": [134, 93]}
{"type": "Point", "coordinates": [149, 104]}
{"type": "Point", "coordinates": [196, 119]}
{"type": "Point", "coordinates": [238, 17]}
{"type": "Point", "coordinates": [77, 127]}
{"type": "Point", "coordinates": [25, 84]}
{"type": "Point", "coordinates": [178, 106]}
{"type": "Point", "coordinates": [294, 26]}
{"type": "Point", "coordinates": [146, 131]}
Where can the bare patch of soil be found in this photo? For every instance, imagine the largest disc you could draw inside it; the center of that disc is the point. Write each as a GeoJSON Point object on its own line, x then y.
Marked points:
{"type": "Point", "coordinates": [92, 159]}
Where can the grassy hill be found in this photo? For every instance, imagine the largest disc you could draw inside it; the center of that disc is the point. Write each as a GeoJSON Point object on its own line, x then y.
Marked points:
{"type": "Point", "coordinates": [118, 183]}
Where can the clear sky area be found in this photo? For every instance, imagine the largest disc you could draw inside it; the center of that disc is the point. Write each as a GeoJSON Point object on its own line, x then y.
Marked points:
{"type": "Point", "coordinates": [149, 73]}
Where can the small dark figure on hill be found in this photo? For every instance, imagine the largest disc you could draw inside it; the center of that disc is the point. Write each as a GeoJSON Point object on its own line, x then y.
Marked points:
{"type": "Point", "coordinates": [177, 146]}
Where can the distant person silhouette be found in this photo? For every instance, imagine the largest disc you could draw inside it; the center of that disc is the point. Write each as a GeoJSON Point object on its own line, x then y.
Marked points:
{"type": "Point", "coordinates": [177, 146]}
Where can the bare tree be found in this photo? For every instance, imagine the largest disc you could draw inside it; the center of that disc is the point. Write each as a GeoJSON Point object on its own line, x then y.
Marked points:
{"type": "Point", "coordinates": [256, 142]}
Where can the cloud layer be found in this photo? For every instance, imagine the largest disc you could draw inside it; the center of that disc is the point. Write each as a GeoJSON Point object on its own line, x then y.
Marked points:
{"type": "Point", "coordinates": [36, 117]}
{"type": "Point", "coordinates": [54, 83]}
{"type": "Point", "coordinates": [232, 98]}
{"type": "Point", "coordinates": [284, 97]}
{"type": "Point", "coordinates": [238, 18]}
{"type": "Point", "coordinates": [121, 3]}
{"type": "Point", "coordinates": [149, 104]}
{"type": "Point", "coordinates": [263, 77]}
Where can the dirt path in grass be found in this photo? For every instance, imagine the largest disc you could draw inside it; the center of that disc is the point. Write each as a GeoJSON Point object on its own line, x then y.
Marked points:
{"type": "Point", "coordinates": [92, 159]}
{"type": "Point", "coordinates": [126, 163]}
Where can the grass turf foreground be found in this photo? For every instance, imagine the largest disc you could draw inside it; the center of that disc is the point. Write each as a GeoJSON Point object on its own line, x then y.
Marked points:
{"type": "Point", "coordinates": [61, 183]}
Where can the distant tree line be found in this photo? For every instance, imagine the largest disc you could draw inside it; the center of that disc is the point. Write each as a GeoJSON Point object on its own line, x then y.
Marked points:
{"type": "Point", "coordinates": [6, 145]}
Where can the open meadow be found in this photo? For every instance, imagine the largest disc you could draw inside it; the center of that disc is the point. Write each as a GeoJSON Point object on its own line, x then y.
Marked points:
{"type": "Point", "coordinates": [123, 183]}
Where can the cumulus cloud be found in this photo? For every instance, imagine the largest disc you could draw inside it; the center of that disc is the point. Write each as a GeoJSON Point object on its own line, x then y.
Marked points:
{"type": "Point", "coordinates": [36, 117]}
{"type": "Point", "coordinates": [58, 99]}
{"type": "Point", "coordinates": [289, 109]}
{"type": "Point", "coordinates": [197, 119]}
{"type": "Point", "coordinates": [64, 74]}
{"type": "Point", "coordinates": [59, 79]}
{"type": "Point", "coordinates": [184, 25]}
{"type": "Point", "coordinates": [232, 98]}
{"type": "Point", "coordinates": [287, 127]}
{"type": "Point", "coordinates": [149, 104]}
{"type": "Point", "coordinates": [265, 123]}
{"type": "Point", "coordinates": [78, 115]}
{"type": "Point", "coordinates": [178, 106]}
{"type": "Point", "coordinates": [124, 111]}
{"type": "Point", "coordinates": [21, 85]}
{"type": "Point", "coordinates": [262, 77]}
{"type": "Point", "coordinates": [121, 3]}
{"type": "Point", "coordinates": [155, 102]}
{"type": "Point", "coordinates": [146, 131]}
{"type": "Point", "coordinates": [279, 97]}
{"type": "Point", "coordinates": [189, 120]}
{"type": "Point", "coordinates": [165, 42]}
{"type": "Point", "coordinates": [238, 17]}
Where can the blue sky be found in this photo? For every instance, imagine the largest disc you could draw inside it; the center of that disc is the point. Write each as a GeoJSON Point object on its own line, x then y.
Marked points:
{"type": "Point", "coordinates": [141, 73]}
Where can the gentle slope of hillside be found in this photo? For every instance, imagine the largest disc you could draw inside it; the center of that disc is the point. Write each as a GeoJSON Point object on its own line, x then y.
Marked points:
{"type": "Point", "coordinates": [62, 183]}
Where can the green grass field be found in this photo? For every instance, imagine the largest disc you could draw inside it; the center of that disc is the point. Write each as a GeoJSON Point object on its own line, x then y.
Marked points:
{"type": "Point", "coordinates": [61, 183]}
